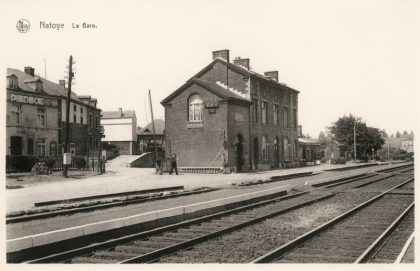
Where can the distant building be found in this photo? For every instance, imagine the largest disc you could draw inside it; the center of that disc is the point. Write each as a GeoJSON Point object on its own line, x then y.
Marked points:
{"type": "Point", "coordinates": [308, 150]}
{"type": "Point", "coordinates": [146, 138]}
{"type": "Point", "coordinates": [36, 117]}
{"type": "Point", "coordinates": [228, 116]}
{"type": "Point", "coordinates": [120, 129]}
{"type": "Point", "coordinates": [405, 142]}
{"type": "Point", "coordinates": [335, 152]}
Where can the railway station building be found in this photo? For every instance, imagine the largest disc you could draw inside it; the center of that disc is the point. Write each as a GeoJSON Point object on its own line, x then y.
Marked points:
{"type": "Point", "coordinates": [231, 118]}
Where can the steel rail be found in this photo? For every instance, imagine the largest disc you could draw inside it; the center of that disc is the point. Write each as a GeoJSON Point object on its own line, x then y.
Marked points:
{"type": "Point", "coordinates": [110, 243]}
{"type": "Point", "coordinates": [276, 253]}
{"type": "Point", "coordinates": [373, 248]}
{"type": "Point", "coordinates": [154, 255]}
{"type": "Point", "coordinates": [61, 256]}
{"type": "Point", "coordinates": [404, 249]}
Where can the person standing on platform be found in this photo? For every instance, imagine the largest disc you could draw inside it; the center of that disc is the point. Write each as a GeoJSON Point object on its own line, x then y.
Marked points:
{"type": "Point", "coordinates": [173, 162]}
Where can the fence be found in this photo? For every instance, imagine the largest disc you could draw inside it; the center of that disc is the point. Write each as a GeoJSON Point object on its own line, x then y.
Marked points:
{"type": "Point", "coordinates": [16, 164]}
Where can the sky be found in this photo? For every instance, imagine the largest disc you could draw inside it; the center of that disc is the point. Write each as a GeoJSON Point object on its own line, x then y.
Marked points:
{"type": "Point", "coordinates": [359, 57]}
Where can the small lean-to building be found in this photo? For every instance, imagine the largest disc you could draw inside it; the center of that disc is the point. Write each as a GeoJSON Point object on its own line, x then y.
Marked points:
{"type": "Point", "coordinates": [147, 140]}
{"type": "Point", "coordinates": [232, 118]}
{"type": "Point", "coordinates": [309, 148]}
{"type": "Point", "coordinates": [120, 130]}
{"type": "Point", "coordinates": [335, 152]}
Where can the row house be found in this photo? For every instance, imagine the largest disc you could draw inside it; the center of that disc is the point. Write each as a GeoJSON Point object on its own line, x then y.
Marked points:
{"type": "Point", "coordinates": [36, 117]}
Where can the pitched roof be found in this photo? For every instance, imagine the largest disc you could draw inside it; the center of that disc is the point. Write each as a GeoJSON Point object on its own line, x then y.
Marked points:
{"type": "Point", "coordinates": [245, 72]}
{"type": "Point", "coordinates": [148, 129]}
{"type": "Point", "coordinates": [117, 114]}
{"type": "Point", "coordinates": [306, 141]}
{"type": "Point", "coordinates": [48, 86]}
{"type": "Point", "coordinates": [210, 86]}
{"type": "Point", "coordinates": [335, 142]}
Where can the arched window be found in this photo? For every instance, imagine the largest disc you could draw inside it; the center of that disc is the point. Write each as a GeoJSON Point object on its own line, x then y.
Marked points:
{"type": "Point", "coordinates": [195, 108]}
{"type": "Point", "coordinates": [265, 144]}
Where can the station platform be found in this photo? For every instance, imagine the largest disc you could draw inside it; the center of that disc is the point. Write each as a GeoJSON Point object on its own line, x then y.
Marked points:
{"type": "Point", "coordinates": [119, 179]}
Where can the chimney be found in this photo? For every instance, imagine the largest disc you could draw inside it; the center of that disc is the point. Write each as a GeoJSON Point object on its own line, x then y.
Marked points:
{"type": "Point", "coordinates": [62, 83]}
{"type": "Point", "coordinates": [243, 62]}
{"type": "Point", "coordinates": [121, 113]}
{"type": "Point", "coordinates": [224, 54]}
{"type": "Point", "coordinates": [272, 75]}
{"type": "Point", "coordinates": [30, 71]}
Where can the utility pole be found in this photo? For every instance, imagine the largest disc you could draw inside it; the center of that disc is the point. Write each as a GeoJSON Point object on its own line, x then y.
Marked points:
{"type": "Point", "coordinates": [388, 151]}
{"type": "Point", "coordinates": [66, 142]}
{"type": "Point", "coordinates": [45, 68]}
{"type": "Point", "coordinates": [153, 126]}
{"type": "Point", "coordinates": [354, 135]}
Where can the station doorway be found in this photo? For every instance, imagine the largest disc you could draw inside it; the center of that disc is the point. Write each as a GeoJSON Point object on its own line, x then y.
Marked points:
{"type": "Point", "coordinates": [239, 153]}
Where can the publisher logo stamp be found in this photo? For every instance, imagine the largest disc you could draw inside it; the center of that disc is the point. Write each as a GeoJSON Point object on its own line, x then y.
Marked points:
{"type": "Point", "coordinates": [23, 26]}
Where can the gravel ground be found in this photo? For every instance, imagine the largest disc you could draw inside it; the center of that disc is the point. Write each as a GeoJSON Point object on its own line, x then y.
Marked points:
{"type": "Point", "coordinates": [56, 223]}
{"type": "Point", "coordinates": [260, 238]}
{"type": "Point", "coordinates": [394, 244]}
{"type": "Point", "coordinates": [409, 255]}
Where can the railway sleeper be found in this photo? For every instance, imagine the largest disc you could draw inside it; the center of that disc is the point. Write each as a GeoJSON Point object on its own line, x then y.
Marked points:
{"type": "Point", "coordinates": [115, 255]}
{"type": "Point", "coordinates": [319, 258]}
{"type": "Point", "coordinates": [133, 249]}
{"type": "Point", "coordinates": [153, 244]}
{"type": "Point", "coordinates": [91, 260]}
{"type": "Point", "coordinates": [207, 228]}
{"type": "Point", "coordinates": [333, 251]}
{"type": "Point", "coordinates": [342, 244]}
{"type": "Point", "coordinates": [193, 231]}
{"type": "Point", "coordinates": [169, 238]}
{"type": "Point", "coordinates": [189, 235]}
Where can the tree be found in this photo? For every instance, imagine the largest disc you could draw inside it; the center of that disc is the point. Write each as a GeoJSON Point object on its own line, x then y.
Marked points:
{"type": "Point", "coordinates": [322, 138]}
{"type": "Point", "coordinates": [367, 138]}
{"type": "Point", "coordinates": [384, 134]}
{"type": "Point", "coordinates": [398, 134]}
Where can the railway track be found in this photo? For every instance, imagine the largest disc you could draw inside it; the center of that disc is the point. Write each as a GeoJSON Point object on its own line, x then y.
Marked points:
{"type": "Point", "coordinates": [352, 237]}
{"type": "Point", "coordinates": [154, 245]}
{"type": "Point", "coordinates": [110, 202]}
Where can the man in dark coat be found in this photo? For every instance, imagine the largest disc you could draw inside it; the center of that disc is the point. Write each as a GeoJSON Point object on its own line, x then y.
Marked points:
{"type": "Point", "coordinates": [173, 163]}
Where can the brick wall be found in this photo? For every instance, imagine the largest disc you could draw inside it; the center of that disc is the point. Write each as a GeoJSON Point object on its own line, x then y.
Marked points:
{"type": "Point", "coordinates": [196, 147]}
{"type": "Point", "coordinates": [271, 95]}
{"type": "Point", "coordinates": [218, 73]}
{"type": "Point", "coordinates": [238, 123]}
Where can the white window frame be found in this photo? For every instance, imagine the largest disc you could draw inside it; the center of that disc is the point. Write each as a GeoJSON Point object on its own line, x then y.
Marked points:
{"type": "Point", "coordinates": [42, 116]}
{"type": "Point", "coordinates": [264, 110]}
{"type": "Point", "coordinates": [286, 118]}
{"type": "Point", "coordinates": [41, 147]}
{"type": "Point", "coordinates": [195, 108]}
{"type": "Point", "coordinates": [276, 114]}
{"type": "Point", "coordinates": [15, 114]}
{"type": "Point", "coordinates": [265, 146]}
{"type": "Point", "coordinates": [73, 148]}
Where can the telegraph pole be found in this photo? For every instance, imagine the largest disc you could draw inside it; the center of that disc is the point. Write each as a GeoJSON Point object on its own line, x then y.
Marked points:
{"type": "Point", "coordinates": [354, 135]}
{"type": "Point", "coordinates": [66, 142]}
{"type": "Point", "coordinates": [153, 125]}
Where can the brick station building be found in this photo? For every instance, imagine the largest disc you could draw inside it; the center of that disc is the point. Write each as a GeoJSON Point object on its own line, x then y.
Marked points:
{"type": "Point", "coordinates": [228, 116]}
